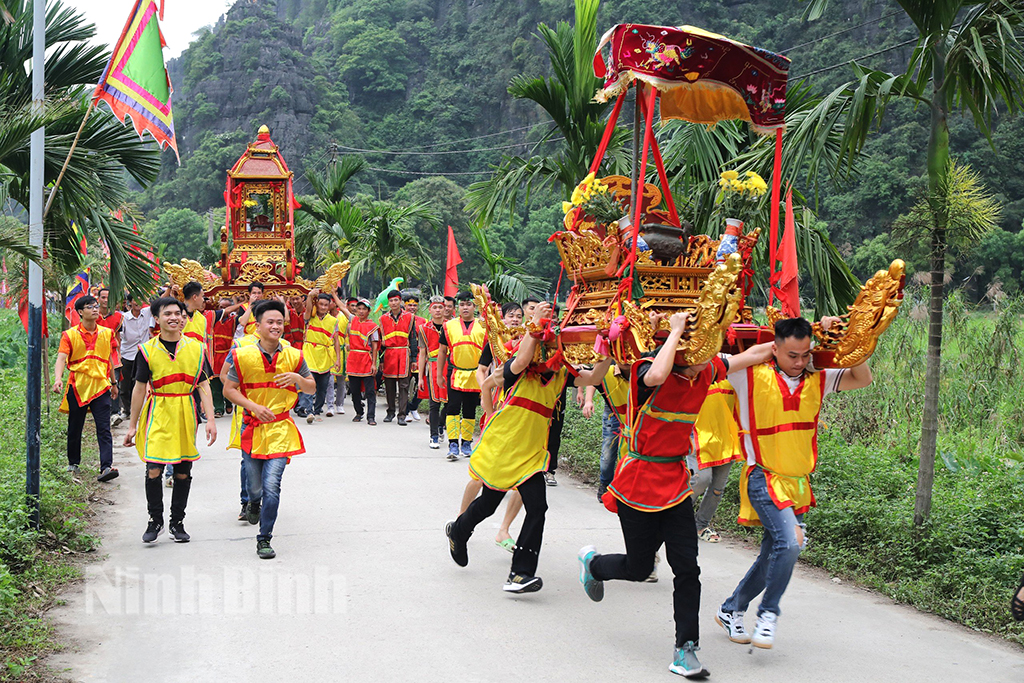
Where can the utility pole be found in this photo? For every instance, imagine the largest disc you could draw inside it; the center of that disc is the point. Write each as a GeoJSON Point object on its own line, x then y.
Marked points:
{"type": "Point", "coordinates": [33, 386]}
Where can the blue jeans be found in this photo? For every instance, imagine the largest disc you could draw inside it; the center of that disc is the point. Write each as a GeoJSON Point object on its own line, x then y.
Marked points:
{"type": "Point", "coordinates": [265, 485]}
{"type": "Point", "coordinates": [611, 432]}
{"type": "Point", "coordinates": [773, 567]}
{"type": "Point", "coordinates": [244, 493]}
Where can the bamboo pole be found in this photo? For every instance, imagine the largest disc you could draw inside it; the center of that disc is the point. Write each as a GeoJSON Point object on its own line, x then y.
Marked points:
{"type": "Point", "coordinates": [64, 168]}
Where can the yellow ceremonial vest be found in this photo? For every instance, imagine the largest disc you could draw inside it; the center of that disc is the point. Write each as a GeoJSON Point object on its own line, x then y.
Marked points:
{"type": "Point", "coordinates": [318, 346]}
{"type": "Point", "coordinates": [514, 444]}
{"type": "Point", "coordinates": [195, 328]}
{"type": "Point", "coordinates": [235, 440]}
{"type": "Point", "coordinates": [279, 438]}
{"type": "Point", "coordinates": [784, 434]}
{"type": "Point", "coordinates": [464, 353]}
{"type": "Point", "coordinates": [167, 423]}
{"type": "Point", "coordinates": [343, 344]}
{"type": "Point", "coordinates": [89, 368]}
{"type": "Point", "coordinates": [716, 433]}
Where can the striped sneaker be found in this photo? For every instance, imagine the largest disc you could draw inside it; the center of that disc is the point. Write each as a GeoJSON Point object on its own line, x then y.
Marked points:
{"type": "Point", "coordinates": [732, 622]}
{"type": "Point", "coordinates": [520, 583]}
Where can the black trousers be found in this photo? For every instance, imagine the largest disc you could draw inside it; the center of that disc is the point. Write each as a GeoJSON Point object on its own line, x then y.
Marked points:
{"type": "Point", "coordinates": [527, 552]}
{"type": "Point", "coordinates": [100, 409]}
{"type": "Point", "coordinates": [179, 491]}
{"type": "Point", "coordinates": [126, 385]}
{"type": "Point", "coordinates": [436, 427]}
{"type": "Point", "coordinates": [397, 387]}
{"type": "Point", "coordinates": [464, 402]}
{"type": "Point", "coordinates": [321, 379]}
{"type": "Point", "coordinates": [363, 388]}
{"type": "Point", "coordinates": [644, 533]}
{"type": "Point", "coordinates": [555, 433]}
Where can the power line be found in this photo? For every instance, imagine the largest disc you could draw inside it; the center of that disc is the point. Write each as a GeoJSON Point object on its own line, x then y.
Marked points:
{"type": "Point", "coordinates": [856, 59]}
{"type": "Point", "coordinates": [837, 33]}
{"type": "Point", "coordinates": [478, 137]}
{"type": "Point", "coordinates": [454, 151]}
{"type": "Point", "coordinates": [390, 170]}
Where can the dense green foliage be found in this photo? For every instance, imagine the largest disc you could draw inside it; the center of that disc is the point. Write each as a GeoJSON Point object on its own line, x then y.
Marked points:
{"type": "Point", "coordinates": [34, 566]}
{"type": "Point", "coordinates": [965, 563]}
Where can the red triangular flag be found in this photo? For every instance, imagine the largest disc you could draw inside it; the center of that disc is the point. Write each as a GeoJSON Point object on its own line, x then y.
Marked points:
{"type": "Point", "coordinates": [451, 272]}
{"type": "Point", "coordinates": [787, 290]}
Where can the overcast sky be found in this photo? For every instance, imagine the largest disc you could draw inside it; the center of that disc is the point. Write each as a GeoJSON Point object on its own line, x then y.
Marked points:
{"type": "Point", "coordinates": [181, 19]}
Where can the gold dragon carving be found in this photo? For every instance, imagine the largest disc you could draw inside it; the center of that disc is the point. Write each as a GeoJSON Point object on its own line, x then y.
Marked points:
{"type": "Point", "coordinates": [498, 333]}
{"type": "Point", "coordinates": [190, 271]}
{"type": "Point", "coordinates": [329, 280]}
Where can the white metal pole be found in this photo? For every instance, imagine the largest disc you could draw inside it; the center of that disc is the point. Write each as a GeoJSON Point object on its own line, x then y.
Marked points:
{"type": "Point", "coordinates": [35, 271]}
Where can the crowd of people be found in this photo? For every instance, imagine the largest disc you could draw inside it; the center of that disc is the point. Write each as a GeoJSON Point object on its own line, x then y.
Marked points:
{"type": "Point", "coordinates": [671, 430]}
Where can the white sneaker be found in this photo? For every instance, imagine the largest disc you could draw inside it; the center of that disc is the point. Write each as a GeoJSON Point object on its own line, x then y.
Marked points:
{"type": "Point", "coordinates": [732, 622]}
{"type": "Point", "coordinates": [330, 412]}
{"type": "Point", "coordinates": [764, 632]}
{"type": "Point", "coordinates": [340, 410]}
{"type": "Point", "coordinates": [653, 578]}
{"type": "Point", "coordinates": [414, 415]}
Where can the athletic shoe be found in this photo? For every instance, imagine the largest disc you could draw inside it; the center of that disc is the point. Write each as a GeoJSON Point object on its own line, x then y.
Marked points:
{"type": "Point", "coordinates": [243, 516]}
{"type": "Point", "coordinates": [264, 551]}
{"type": "Point", "coordinates": [168, 482]}
{"type": "Point", "coordinates": [299, 412]}
{"type": "Point", "coordinates": [601, 490]}
{"type": "Point", "coordinates": [453, 451]}
{"type": "Point", "coordinates": [252, 515]}
{"type": "Point", "coordinates": [401, 420]}
{"type": "Point", "coordinates": [467, 449]}
{"type": "Point", "coordinates": [389, 417]}
{"type": "Point", "coordinates": [310, 418]}
{"type": "Point", "coordinates": [107, 474]}
{"type": "Point", "coordinates": [708, 535]}
{"type": "Point", "coordinates": [116, 420]}
{"type": "Point", "coordinates": [653, 578]}
{"type": "Point", "coordinates": [459, 552]}
{"type": "Point", "coordinates": [340, 410]}
{"type": "Point", "coordinates": [434, 444]}
{"type": "Point", "coordinates": [228, 409]}
{"type": "Point", "coordinates": [520, 583]}
{"type": "Point", "coordinates": [357, 418]}
{"type": "Point", "coordinates": [764, 631]}
{"type": "Point", "coordinates": [154, 529]}
{"type": "Point", "coordinates": [732, 622]}
{"type": "Point", "coordinates": [415, 415]}
{"type": "Point", "coordinates": [178, 533]}
{"type": "Point", "coordinates": [591, 586]}
{"type": "Point", "coordinates": [73, 469]}
{"type": "Point", "coordinates": [549, 479]}
{"type": "Point", "coordinates": [330, 412]}
{"type": "Point", "coordinates": [686, 662]}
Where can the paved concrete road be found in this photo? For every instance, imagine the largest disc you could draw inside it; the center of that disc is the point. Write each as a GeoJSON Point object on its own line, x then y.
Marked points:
{"type": "Point", "coordinates": [363, 589]}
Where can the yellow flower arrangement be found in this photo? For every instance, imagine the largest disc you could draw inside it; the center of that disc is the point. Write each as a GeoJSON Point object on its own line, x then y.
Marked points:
{"type": "Point", "coordinates": [249, 203]}
{"type": "Point", "coordinates": [740, 197]}
{"type": "Point", "coordinates": [594, 199]}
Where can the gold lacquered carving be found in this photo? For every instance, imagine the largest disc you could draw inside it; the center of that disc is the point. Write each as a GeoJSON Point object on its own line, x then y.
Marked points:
{"type": "Point", "coordinates": [190, 271]}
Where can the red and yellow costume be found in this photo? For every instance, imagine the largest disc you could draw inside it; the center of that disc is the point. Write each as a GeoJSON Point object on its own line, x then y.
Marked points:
{"type": "Point", "coordinates": [514, 444]}
{"type": "Point", "coordinates": [296, 328]}
{"type": "Point", "coordinates": [222, 335]}
{"type": "Point", "coordinates": [167, 423]}
{"type": "Point", "coordinates": [716, 434]}
{"type": "Point", "coordinates": [279, 438]}
{"type": "Point", "coordinates": [235, 440]}
{"type": "Point", "coordinates": [784, 434]}
{"type": "Point", "coordinates": [196, 328]}
{"type": "Point", "coordinates": [652, 473]}
{"type": "Point", "coordinates": [464, 349]}
{"type": "Point", "coordinates": [113, 323]}
{"type": "Point", "coordinates": [396, 343]}
{"type": "Point", "coordinates": [418, 322]}
{"type": "Point", "coordinates": [432, 384]}
{"type": "Point", "coordinates": [89, 361]}
{"type": "Point", "coordinates": [360, 358]}
{"type": "Point", "coordinates": [616, 393]}
{"type": "Point", "coordinates": [318, 345]}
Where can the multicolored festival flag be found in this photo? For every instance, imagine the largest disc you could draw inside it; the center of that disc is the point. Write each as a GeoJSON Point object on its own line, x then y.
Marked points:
{"type": "Point", "coordinates": [76, 290]}
{"type": "Point", "coordinates": [135, 83]}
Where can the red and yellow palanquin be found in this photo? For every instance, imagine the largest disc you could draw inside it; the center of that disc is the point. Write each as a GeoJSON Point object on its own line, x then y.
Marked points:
{"type": "Point", "coordinates": [784, 435]}
{"type": "Point", "coordinates": [396, 335]}
{"type": "Point", "coordinates": [360, 358]}
{"type": "Point", "coordinates": [279, 438]}
{"type": "Point", "coordinates": [167, 422]}
{"type": "Point", "coordinates": [89, 360]}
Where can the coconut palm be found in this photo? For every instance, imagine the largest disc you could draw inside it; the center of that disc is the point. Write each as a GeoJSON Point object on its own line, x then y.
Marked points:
{"type": "Point", "coordinates": [108, 154]}
{"type": "Point", "coordinates": [969, 58]}
{"type": "Point", "coordinates": [386, 245]}
{"type": "Point", "coordinates": [327, 222]}
{"type": "Point", "coordinates": [506, 279]}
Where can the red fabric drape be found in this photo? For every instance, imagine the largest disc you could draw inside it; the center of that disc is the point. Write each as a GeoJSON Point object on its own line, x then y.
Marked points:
{"type": "Point", "coordinates": [785, 282]}
{"type": "Point", "coordinates": [773, 221]}
{"type": "Point", "coordinates": [451, 272]}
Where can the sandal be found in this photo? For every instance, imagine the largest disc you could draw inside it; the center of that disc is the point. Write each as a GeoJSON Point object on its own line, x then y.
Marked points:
{"type": "Point", "coordinates": [508, 544]}
{"type": "Point", "coordinates": [1016, 604]}
{"type": "Point", "coordinates": [709, 535]}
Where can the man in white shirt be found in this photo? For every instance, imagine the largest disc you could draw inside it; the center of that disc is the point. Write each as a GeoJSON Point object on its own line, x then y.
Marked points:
{"type": "Point", "coordinates": [135, 330]}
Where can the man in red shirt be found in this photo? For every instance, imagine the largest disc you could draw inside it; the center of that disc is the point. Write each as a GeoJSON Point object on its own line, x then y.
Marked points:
{"type": "Point", "coordinates": [412, 306]}
{"type": "Point", "coordinates": [398, 335]}
{"type": "Point", "coordinates": [651, 487]}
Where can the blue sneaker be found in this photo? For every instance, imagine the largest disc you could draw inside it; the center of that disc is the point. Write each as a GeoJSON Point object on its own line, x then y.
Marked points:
{"type": "Point", "coordinates": [453, 451]}
{"type": "Point", "coordinates": [467, 449]}
{"type": "Point", "coordinates": [686, 662]}
{"type": "Point", "coordinates": [593, 588]}
{"type": "Point", "coordinates": [433, 443]}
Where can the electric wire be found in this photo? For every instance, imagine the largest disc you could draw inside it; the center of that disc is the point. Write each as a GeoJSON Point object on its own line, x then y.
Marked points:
{"type": "Point", "coordinates": [855, 59]}
{"type": "Point", "coordinates": [837, 33]}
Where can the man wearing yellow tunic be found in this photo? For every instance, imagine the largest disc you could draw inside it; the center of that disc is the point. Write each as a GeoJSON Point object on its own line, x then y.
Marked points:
{"type": "Point", "coordinates": [513, 454]}
{"type": "Point", "coordinates": [778, 404]}
{"type": "Point", "coordinates": [716, 445]}
{"type": "Point", "coordinates": [172, 366]}
{"type": "Point", "coordinates": [461, 345]}
{"type": "Point", "coordinates": [87, 350]}
{"type": "Point", "coordinates": [263, 380]}
{"type": "Point", "coordinates": [320, 348]}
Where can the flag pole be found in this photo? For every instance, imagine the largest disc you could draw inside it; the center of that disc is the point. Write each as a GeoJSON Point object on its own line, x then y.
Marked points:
{"type": "Point", "coordinates": [74, 144]}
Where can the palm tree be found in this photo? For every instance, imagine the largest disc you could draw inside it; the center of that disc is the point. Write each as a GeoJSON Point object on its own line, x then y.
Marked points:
{"type": "Point", "coordinates": [386, 245]}
{"type": "Point", "coordinates": [969, 58]}
{"type": "Point", "coordinates": [327, 222]}
{"type": "Point", "coordinates": [506, 279]}
{"type": "Point", "coordinates": [566, 98]}
{"type": "Point", "coordinates": [108, 153]}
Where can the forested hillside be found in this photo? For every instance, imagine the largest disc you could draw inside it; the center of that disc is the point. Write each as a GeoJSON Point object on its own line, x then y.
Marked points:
{"type": "Point", "coordinates": [331, 77]}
